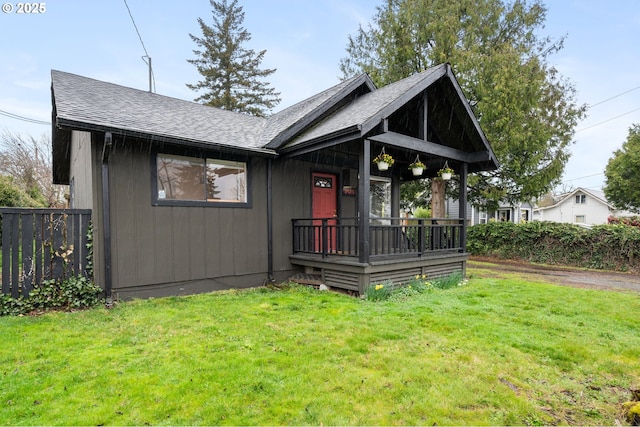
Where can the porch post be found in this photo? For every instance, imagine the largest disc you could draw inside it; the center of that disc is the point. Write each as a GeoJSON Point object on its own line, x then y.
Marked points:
{"type": "Point", "coordinates": [395, 193]}
{"type": "Point", "coordinates": [462, 209]}
{"type": "Point", "coordinates": [364, 169]}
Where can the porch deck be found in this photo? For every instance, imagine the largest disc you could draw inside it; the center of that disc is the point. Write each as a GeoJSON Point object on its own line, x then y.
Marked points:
{"type": "Point", "coordinates": [396, 249]}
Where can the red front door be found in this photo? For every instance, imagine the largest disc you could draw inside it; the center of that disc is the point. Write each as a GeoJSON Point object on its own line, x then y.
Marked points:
{"type": "Point", "coordinates": [324, 205]}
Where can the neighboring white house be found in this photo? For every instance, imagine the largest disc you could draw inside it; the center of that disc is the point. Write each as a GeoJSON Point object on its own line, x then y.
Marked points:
{"type": "Point", "coordinates": [581, 206]}
{"type": "Point", "coordinates": [506, 213]}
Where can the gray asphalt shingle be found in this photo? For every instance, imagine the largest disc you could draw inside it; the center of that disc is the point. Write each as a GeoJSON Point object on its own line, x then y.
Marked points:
{"type": "Point", "coordinates": [83, 100]}
{"type": "Point", "coordinates": [364, 108]}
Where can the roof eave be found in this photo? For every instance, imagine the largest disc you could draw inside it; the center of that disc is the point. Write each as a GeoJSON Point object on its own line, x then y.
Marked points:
{"type": "Point", "coordinates": [69, 124]}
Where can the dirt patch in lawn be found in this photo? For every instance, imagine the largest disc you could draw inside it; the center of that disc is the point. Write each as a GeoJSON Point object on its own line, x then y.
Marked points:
{"type": "Point", "coordinates": [567, 276]}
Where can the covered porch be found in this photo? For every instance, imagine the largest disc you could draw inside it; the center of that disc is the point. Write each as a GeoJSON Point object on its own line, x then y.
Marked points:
{"type": "Point", "coordinates": [353, 244]}
{"type": "Point", "coordinates": [399, 249]}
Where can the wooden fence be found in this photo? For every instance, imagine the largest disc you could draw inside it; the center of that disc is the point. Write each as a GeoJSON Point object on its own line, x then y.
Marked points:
{"type": "Point", "coordinates": [42, 244]}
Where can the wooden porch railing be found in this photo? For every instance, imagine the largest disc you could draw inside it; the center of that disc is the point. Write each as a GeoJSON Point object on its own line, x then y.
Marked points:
{"type": "Point", "coordinates": [42, 244]}
{"type": "Point", "coordinates": [388, 237]}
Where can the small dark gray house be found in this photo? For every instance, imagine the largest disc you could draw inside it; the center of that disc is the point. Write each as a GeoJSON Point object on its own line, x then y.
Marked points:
{"type": "Point", "coordinates": [187, 198]}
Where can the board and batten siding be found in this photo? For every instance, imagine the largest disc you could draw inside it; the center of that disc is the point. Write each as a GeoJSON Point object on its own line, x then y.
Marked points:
{"type": "Point", "coordinates": [169, 250]}
{"type": "Point", "coordinates": [182, 249]}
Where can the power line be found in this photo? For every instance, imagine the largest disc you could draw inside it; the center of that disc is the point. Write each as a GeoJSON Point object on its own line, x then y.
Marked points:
{"type": "Point", "coordinates": [24, 119]}
{"type": "Point", "coordinates": [613, 97]}
{"type": "Point", "coordinates": [136, 27]}
{"type": "Point", "coordinates": [608, 120]}
{"type": "Point", "coordinates": [151, 76]}
{"type": "Point", "coordinates": [582, 177]}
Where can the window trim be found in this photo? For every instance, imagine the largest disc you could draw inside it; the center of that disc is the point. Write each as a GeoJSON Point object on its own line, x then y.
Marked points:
{"type": "Point", "coordinates": [156, 201]}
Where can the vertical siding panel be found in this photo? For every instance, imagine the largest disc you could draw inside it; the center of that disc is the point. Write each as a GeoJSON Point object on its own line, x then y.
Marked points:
{"type": "Point", "coordinates": [257, 246]}
{"type": "Point", "coordinates": [181, 244]}
{"type": "Point", "coordinates": [123, 218]}
{"type": "Point", "coordinates": [163, 251]}
{"type": "Point", "coordinates": [212, 242]}
{"type": "Point", "coordinates": [146, 244]}
{"type": "Point", "coordinates": [226, 232]}
{"type": "Point", "coordinates": [197, 243]}
{"type": "Point", "coordinates": [243, 238]}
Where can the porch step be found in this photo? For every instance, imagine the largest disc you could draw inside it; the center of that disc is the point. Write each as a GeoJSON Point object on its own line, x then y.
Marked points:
{"type": "Point", "coordinates": [307, 279]}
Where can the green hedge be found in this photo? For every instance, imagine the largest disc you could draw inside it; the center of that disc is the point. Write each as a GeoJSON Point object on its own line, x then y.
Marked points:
{"type": "Point", "coordinates": [611, 247]}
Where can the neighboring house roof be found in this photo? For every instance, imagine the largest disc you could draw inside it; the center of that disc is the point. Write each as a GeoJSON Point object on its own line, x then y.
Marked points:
{"type": "Point", "coordinates": [596, 194]}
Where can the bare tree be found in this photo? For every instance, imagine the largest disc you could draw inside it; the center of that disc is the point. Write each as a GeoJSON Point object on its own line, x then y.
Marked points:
{"type": "Point", "coordinates": [28, 161]}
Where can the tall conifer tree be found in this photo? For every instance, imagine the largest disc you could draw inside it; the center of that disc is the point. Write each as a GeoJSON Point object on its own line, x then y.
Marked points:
{"type": "Point", "coordinates": [232, 78]}
{"type": "Point", "coordinates": [526, 108]}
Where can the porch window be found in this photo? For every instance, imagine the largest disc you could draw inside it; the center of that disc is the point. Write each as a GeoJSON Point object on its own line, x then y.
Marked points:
{"type": "Point", "coordinates": [201, 179]}
{"type": "Point", "coordinates": [380, 198]}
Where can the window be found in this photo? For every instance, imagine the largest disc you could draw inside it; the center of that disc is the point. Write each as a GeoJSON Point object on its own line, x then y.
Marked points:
{"type": "Point", "coordinates": [581, 199]}
{"type": "Point", "coordinates": [482, 217]}
{"type": "Point", "coordinates": [380, 197]}
{"type": "Point", "coordinates": [197, 179]}
{"type": "Point", "coordinates": [504, 215]}
{"type": "Point", "coordinates": [581, 219]}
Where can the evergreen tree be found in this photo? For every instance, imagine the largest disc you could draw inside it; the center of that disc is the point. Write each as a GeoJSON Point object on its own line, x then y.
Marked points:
{"type": "Point", "coordinates": [232, 74]}
{"type": "Point", "coordinates": [526, 109]}
{"type": "Point", "coordinates": [623, 173]}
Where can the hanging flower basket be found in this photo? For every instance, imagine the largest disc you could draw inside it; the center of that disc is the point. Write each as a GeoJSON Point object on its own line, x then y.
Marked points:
{"type": "Point", "coordinates": [445, 173]}
{"type": "Point", "coordinates": [417, 167]}
{"type": "Point", "coordinates": [383, 160]}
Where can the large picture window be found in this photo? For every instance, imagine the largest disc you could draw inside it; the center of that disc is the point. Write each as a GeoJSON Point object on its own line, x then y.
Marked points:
{"type": "Point", "coordinates": [201, 179]}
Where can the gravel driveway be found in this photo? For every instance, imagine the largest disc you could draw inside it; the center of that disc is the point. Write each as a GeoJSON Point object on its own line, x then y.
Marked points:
{"type": "Point", "coordinates": [567, 276]}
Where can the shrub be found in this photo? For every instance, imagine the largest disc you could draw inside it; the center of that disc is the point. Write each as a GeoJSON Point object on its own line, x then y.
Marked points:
{"type": "Point", "coordinates": [633, 221]}
{"type": "Point", "coordinates": [73, 293]}
{"type": "Point", "coordinates": [602, 247]}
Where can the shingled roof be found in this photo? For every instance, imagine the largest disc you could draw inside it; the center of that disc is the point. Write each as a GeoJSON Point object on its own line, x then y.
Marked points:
{"type": "Point", "coordinates": [354, 107]}
{"type": "Point", "coordinates": [88, 104]}
{"type": "Point", "coordinates": [370, 106]}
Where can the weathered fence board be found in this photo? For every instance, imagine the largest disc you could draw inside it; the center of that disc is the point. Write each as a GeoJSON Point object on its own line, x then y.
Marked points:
{"type": "Point", "coordinates": [42, 244]}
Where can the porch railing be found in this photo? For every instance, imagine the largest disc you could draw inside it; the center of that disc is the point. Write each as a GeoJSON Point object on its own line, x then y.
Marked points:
{"type": "Point", "coordinates": [388, 237]}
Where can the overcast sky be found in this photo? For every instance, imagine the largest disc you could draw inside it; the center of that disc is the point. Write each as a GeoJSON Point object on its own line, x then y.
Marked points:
{"type": "Point", "coordinates": [305, 40]}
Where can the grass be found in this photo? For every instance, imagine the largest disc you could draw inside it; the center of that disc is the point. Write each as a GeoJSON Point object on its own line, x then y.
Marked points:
{"type": "Point", "coordinates": [496, 351]}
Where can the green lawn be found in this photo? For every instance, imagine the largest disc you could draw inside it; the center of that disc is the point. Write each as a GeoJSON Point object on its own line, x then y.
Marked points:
{"type": "Point", "coordinates": [496, 351]}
